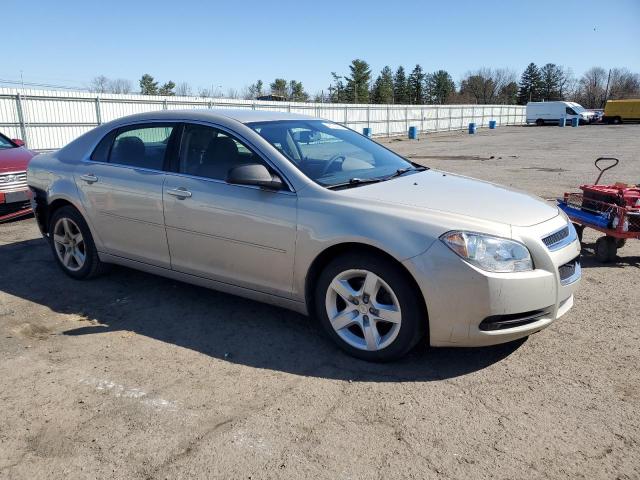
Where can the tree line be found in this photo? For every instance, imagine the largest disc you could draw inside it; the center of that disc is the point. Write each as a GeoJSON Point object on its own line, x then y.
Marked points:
{"type": "Point", "coordinates": [417, 87]}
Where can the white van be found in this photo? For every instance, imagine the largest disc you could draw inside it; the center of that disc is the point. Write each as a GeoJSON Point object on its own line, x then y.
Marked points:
{"type": "Point", "coordinates": [551, 112]}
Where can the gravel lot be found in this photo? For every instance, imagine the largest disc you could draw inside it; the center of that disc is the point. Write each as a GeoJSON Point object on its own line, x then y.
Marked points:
{"type": "Point", "coordinates": [135, 376]}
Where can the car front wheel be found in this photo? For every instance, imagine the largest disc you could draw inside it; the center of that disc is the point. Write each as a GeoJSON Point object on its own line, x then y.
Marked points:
{"type": "Point", "coordinates": [72, 244]}
{"type": "Point", "coordinates": [369, 307]}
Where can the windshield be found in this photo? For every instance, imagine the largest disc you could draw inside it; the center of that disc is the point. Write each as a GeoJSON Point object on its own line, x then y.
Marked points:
{"type": "Point", "coordinates": [578, 108]}
{"type": "Point", "coordinates": [331, 154]}
{"type": "Point", "coordinates": [5, 142]}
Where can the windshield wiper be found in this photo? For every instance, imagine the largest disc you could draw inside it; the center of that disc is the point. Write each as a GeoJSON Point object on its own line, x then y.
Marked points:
{"type": "Point", "coordinates": [402, 171]}
{"type": "Point", "coordinates": [354, 182]}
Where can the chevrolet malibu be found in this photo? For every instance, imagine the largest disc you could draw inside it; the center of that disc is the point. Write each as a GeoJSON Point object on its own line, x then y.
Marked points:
{"type": "Point", "coordinates": [309, 215]}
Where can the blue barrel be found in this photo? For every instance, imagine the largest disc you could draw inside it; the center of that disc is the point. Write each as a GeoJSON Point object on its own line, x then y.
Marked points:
{"type": "Point", "coordinates": [472, 128]}
{"type": "Point", "coordinates": [492, 124]}
{"type": "Point", "coordinates": [575, 121]}
{"type": "Point", "coordinates": [413, 133]}
{"type": "Point", "coordinates": [366, 131]}
{"type": "Point", "coordinates": [562, 122]}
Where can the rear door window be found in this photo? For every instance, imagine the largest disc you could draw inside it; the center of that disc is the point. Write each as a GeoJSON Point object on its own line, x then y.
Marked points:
{"type": "Point", "coordinates": [139, 146]}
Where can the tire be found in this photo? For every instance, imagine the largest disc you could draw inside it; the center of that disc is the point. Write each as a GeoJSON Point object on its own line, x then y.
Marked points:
{"type": "Point", "coordinates": [606, 249]}
{"type": "Point", "coordinates": [579, 230]}
{"type": "Point", "coordinates": [380, 322]}
{"type": "Point", "coordinates": [616, 120]}
{"type": "Point", "coordinates": [621, 242]}
{"type": "Point", "coordinates": [539, 122]}
{"type": "Point", "coordinates": [72, 244]}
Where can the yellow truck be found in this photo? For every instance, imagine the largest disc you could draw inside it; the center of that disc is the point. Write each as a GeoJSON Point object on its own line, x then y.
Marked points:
{"type": "Point", "coordinates": [618, 111]}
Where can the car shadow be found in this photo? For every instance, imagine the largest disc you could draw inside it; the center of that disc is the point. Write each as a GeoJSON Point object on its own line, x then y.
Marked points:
{"type": "Point", "coordinates": [215, 324]}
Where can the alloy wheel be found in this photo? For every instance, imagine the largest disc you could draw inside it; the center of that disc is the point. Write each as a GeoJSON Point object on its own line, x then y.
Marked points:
{"type": "Point", "coordinates": [363, 310]}
{"type": "Point", "coordinates": [69, 244]}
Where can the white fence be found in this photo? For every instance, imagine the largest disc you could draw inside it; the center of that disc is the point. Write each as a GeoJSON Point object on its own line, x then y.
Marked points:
{"type": "Point", "coordinates": [47, 120]}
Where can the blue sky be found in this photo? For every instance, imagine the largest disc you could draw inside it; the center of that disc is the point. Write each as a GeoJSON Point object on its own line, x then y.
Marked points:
{"type": "Point", "coordinates": [234, 43]}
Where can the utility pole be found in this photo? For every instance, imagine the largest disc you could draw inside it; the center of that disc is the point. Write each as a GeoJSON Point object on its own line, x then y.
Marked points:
{"type": "Point", "coordinates": [606, 90]}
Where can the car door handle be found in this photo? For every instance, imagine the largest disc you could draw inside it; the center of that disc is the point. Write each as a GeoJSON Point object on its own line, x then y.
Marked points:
{"type": "Point", "coordinates": [181, 193]}
{"type": "Point", "coordinates": [89, 178]}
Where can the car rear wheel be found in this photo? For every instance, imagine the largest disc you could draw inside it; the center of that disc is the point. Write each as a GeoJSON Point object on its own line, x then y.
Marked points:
{"type": "Point", "coordinates": [539, 122]}
{"type": "Point", "coordinates": [369, 307]}
{"type": "Point", "coordinates": [72, 244]}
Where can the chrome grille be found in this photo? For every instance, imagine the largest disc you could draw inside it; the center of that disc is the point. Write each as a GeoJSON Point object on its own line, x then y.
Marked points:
{"type": "Point", "coordinates": [556, 237]}
{"type": "Point", "coordinates": [13, 181]}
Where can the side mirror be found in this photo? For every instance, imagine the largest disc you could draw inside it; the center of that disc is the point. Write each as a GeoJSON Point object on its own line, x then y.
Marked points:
{"type": "Point", "coordinates": [254, 174]}
{"type": "Point", "coordinates": [18, 142]}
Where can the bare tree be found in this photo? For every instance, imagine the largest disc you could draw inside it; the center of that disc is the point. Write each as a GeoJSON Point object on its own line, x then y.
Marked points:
{"type": "Point", "coordinates": [205, 93]}
{"type": "Point", "coordinates": [233, 93]}
{"type": "Point", "coordinates": [486, 85]}
{"type": "Point", "coordinates": [99, 84]}
{"type": "Point", "coordinates": [623, 84]}
{"type": "Point", "coordinates": [120, 85]}
{"type": "Point", "coordinates": [592, 88]}
{"type": "Point", "coordinates": [247, 93]}
{"type": "Point", "coordinates": [183, 90]}
{"type": "Point", "coordinates": [569, 87]}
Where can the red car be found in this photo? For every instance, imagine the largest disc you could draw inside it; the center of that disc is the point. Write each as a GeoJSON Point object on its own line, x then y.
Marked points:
{"type": "Point", "coordinates": [14, 193]}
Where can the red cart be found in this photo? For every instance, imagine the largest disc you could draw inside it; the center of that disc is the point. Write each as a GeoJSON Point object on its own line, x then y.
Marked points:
{"type": "Point", "coordinates": [611, 209]}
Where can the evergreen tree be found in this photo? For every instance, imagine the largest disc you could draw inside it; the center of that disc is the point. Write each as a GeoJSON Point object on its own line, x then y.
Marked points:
{"type": "Point", "coordinates": [530, 87]}
{"type": "Point", "coordinates": [383, 87]}
{"type": "Point", "coordinates": [296, 92]}
{"type": "Point", "coordinates": [439, 87]}
{"type": "Point", "coordinates": [256, 89]}
{"type": "Point", "coordinates": [337, 90]}
{"type": "Point", "coordinates": [415, 86]}
{"type": "Point", "coordinates": [167, 89]}
{"type": "Point", "coordinates": [358, 82]}
{"type": "Point", "coordinates": [400, 90]}
{"type": "Point", "coordinates": [552, 82]}
{"type": "Point", "coordinates": [508, 94]}
{"type": "Point", "coordinates": [279, 87]}
{"type": "Point", "coordinates": [148, 86]}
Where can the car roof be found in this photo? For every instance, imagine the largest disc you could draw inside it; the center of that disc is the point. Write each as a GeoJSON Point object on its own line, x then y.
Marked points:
{"type": "Point", "coordinates": [239, 114]}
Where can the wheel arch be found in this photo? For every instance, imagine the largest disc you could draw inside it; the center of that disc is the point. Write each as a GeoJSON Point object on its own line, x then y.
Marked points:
{"type": "Point", "coordinates": [327, 255]}
{"type": "Point", "coordinates": [45, 217]}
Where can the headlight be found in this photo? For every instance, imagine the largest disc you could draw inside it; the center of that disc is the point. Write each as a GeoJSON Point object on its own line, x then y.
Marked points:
{"type": "Point", "coordinates": [493, 254]}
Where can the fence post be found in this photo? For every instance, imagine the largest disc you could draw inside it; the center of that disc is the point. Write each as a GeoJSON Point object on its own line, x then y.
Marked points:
{"type": "Point", "coordinates": [23, 127]}
{"type": "Point", "coordinates": [406, 119]}
{"type": "Point", "coordinates": [368, 116]}
{"type": "Point", "coordinates": [346, 115]}
{"type": "Point", "coordinates": [98, 112]}
{"type": "Point", "coordinates": [164, 104]}
{"type": "Point", "coordinates": [388, 122]}
{"type": "Point", "coordinates": [437, 118]}
{"type": "Point", "coordinates": [449, 126]}
{"type": "Point", "coordinates": [421, 119]}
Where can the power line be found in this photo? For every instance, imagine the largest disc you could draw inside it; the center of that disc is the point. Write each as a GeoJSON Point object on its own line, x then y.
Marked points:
{"type": "Point", "coordinates": [35, 84]}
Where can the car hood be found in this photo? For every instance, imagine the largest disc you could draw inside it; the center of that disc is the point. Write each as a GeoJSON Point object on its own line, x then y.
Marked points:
{"type": "Point", "coordinates": [14, 159]}
{"type": "Point", "coordinates": [440, 191]}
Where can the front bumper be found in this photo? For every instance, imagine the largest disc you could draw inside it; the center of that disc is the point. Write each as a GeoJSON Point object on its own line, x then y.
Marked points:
{"type": "Point", "coordinates": [460, 297]}
{"type": "Point", "coordinates": [14, 204]}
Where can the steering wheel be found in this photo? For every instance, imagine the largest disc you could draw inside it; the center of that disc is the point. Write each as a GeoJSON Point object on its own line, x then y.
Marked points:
{"type": "Point", "coordinates": [332, 160]}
